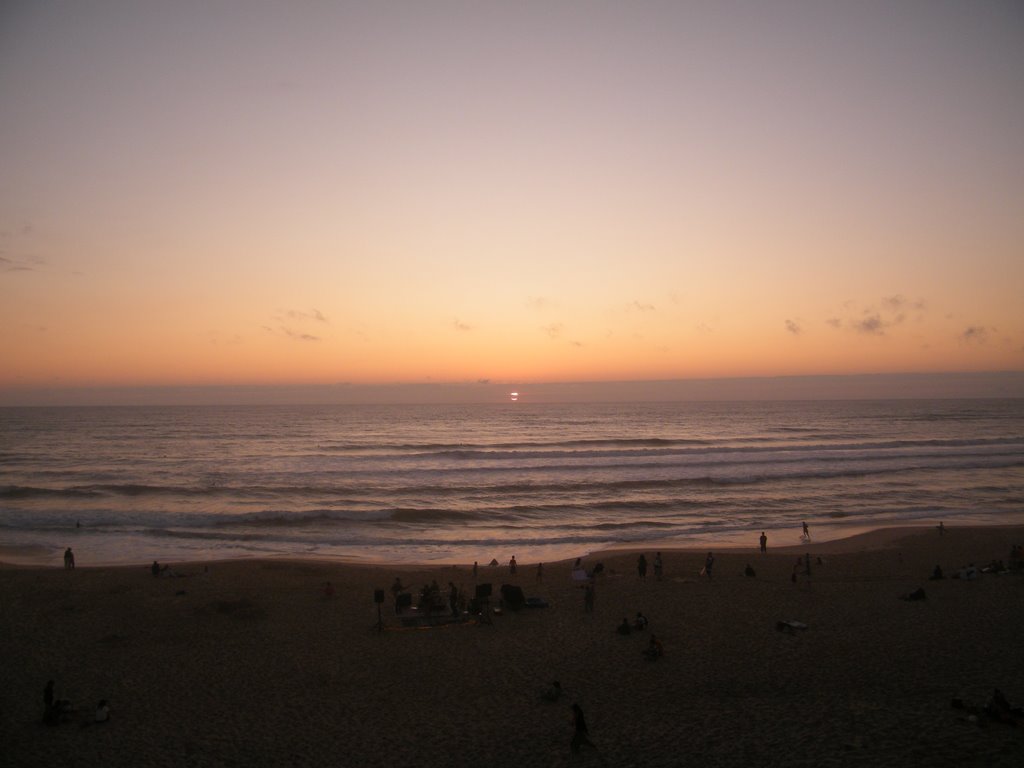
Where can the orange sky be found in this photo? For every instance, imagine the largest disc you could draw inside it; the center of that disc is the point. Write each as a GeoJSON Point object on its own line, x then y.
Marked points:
{"type": "Point", "coordinates": [526, 193]}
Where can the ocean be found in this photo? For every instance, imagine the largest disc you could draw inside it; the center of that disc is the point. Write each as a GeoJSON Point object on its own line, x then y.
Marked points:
{"type": "Point", "coordinates": [457, 484]}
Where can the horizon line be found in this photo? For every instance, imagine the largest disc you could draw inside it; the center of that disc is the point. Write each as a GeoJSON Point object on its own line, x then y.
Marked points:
{"type": "Point", "coordinates": [862, 386]}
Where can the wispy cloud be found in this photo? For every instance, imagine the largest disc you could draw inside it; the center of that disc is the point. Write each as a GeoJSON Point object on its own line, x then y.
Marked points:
{"type": "Point", "coordinates": [315, 315]}
{"type": "Point", "coordinates": [554, 330]}
{"type": "Point", "coordinates": [298, 335]}
{"type": "Point", "coordinates": [975, 334]}
{"type": "Point", "coordinates": [877, 318]}
{"type": "Point", "coordinates": [641, 307]}
{"type": "Point", "coordinates": [26, 264]}
{"type": "Point", "coordinates": [793, 327]}
{"type": "Point", "coordinates": [461, 326]}
{"type": "Point", "coordinates": [286, 320]}
{"type": "Point", "coordinates": [871, 325]}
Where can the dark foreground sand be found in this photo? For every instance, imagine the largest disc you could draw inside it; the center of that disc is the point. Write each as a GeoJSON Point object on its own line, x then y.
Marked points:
{"type": "Point", "coordinates": [250, 665]}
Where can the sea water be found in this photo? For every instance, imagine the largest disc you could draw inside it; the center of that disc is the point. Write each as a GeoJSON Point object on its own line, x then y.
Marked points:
{"type": "Point", "coordinates": [475, 482]}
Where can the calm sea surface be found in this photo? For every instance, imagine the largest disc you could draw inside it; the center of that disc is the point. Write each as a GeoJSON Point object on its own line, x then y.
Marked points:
{"type": "Point", "coordinates": [464, 483]}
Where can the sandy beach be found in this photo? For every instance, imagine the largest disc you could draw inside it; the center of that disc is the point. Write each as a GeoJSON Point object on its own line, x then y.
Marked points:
{"type": "Point", "coordinates": [250, 663]}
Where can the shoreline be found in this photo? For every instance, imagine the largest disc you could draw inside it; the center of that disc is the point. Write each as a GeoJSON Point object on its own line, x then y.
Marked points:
{"type": "Point", "coordinates": [862, 539]}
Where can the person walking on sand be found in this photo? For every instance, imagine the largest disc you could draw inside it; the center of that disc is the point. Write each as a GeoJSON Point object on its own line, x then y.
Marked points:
{"type": "Point", "coordinates": [807, 532]}
{"type": "Point", "coordinates": [641, 567]}
{"type": "Point", "coordinates": [580, 733]}
{"type": "Point", "coordinates": [658, 570]}
{"type": "Point", "coordinates": [764, 543]}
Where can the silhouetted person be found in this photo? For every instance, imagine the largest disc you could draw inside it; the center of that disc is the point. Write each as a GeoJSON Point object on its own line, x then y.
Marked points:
{"type": "Point", "coordinates": [624, 628]}
{"type": "Point", "coordinates": [69, 558]}
{"type": "Point", "coordinates": [764, 542]}
{"type": "Point", "coordinates": [709, 563]}
{"type": "Point", "coordinates": [658, 568]}
{"type": "Point", "coordinates": [540, 571]}
{"type": "Point", "coordinates": [807, 532]}
{"type": "Point", "coordinates": [397, 588]}
{"type": "Point", "coordinates": [155, 568]}
{"type": "Point", "coordinates": [641, 567]}
{"type": "Point", "coordinates": [580, 733]}
{"type": "Point", "coordinates": [48, 709]}
{"type": "Point", "coordinates": [654, 649]}
{"type": "Point", "coordinates": [512, 566]}
{"type": "Point", "coordinates": [453, 598]}
{"type": "Point", "coordinates": [553, 692]}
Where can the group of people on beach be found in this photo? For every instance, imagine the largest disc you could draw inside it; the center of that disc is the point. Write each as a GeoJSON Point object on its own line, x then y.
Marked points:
{"type": "Point", "coordinates": [56, 710]}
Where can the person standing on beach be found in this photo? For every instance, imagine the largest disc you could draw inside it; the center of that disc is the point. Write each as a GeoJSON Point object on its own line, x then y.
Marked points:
{"type": "Point", "coordinates": [657, 566]}
{"type": "Point", "coordinates": [580, 733]}
{"type": "Point", "coordinates": [475, 566]}
{"type": "Point", "coordinates": [48, 702]}
{"type": "Point", "coordinates": [69, 558]}
{"type": "Point", "coordinates": [453, 598]}
{"type": "Point", "coordinates": [397, 588]}
{"type": "Point", "coordinates": [641, 567]}
{"type": "Point", "coordinates": [512, 566]}
{"type": "Point", "coordinates": [709, 563]}
{"type": "Point", "coordinates": [764, 543]}
{"type": "Point", "coordinates": [540, 572]}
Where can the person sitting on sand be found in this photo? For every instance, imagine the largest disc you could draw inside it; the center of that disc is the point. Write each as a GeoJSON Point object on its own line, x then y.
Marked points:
{"type": "Point", "coordinates": [936, 574]}
{"type": "Point", "coordinates": [640, 622]}
{"type": "Point", "coordinates": [968, 572]}
{"type": "Point", "coordinates": [654, 649]}
{"type": "Point", "coordinates": [624, 628]}
{"type": "Point", "coordinates": [155, 568]}
{"type": "Point", "coordinates": [553, 692]}
{"type": "Point", "coordinates": [749, 572]}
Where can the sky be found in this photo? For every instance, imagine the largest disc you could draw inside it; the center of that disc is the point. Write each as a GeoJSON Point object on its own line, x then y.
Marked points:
{"type": "Point", "coordinates": [254, 194]}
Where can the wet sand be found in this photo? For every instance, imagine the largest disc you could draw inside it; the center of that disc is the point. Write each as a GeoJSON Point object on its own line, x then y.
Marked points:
{"type": "Point", "coordinates": [248, 663]}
